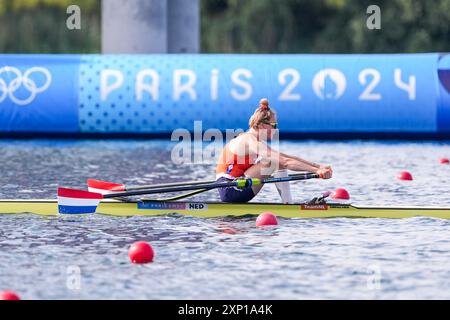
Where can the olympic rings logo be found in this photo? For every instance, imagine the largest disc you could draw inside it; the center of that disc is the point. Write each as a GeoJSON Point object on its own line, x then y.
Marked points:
{"type": "Point", "coordinates": [25, 80]}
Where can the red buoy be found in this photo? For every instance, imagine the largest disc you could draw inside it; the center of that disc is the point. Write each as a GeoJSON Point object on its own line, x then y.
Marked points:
{"type": "Point", "coordinates": [444, 161]}
{"type": "Point", "coordinates": [141, 252]}
{"type": "Point", "coordinates": [341, 194]}
{"type": "Point", "coordinates": [405, 175]}
{"type": "Point", "coordinates": [8, 295]}
{"type": "Point", "coordinates": [266, 219]}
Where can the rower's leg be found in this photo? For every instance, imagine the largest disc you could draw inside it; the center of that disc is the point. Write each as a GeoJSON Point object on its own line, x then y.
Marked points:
{"type": "Point", "coordinates": [284, 188]}
{"type": "Point", "coordinates": [261, 170]}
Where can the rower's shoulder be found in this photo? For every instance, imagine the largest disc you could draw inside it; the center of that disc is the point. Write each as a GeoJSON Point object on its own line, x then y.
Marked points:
{"type": "Point", "coordinates": [241, 143]}
{"type": "Point", "coordinates": [245, 136]}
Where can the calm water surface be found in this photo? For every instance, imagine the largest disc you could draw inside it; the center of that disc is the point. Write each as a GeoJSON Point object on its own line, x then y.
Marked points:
{"type": "Point", "coordinates": [40, 258]}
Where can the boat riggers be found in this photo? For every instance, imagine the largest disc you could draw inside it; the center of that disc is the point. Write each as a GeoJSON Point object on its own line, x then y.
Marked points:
{"type": "Point", "coordinates": [81, 201]}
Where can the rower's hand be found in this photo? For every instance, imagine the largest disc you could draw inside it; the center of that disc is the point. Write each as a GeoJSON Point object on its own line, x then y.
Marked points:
{"type": "Point", "coordinates": [325, 173]}
{"type": "Point", "coordinates": [323, 166]}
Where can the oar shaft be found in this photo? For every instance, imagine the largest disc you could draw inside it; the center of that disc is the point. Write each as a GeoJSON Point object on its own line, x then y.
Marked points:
{"type": "Point", "coordinates": [171, 189]}
{"type": "Point", "coordinates": [162, 185]}
{"type": "Point", "coordinates": [176, 184]}
{"type": "Point", "coordinates": [240, 183]}
{"type": "Point", "coordinates": [294, 177]}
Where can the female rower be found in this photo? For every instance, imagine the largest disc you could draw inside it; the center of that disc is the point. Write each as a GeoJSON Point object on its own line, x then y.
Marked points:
{"type": "Point", "coordinates": [248, 155]}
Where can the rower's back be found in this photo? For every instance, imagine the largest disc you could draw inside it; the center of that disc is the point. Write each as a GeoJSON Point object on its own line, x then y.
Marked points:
{"type": "Point", "coordinates": [237, 156]}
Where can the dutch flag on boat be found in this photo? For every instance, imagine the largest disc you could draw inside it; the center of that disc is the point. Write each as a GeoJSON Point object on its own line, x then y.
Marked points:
{"type": "Point", "coordinates": [71, 201]}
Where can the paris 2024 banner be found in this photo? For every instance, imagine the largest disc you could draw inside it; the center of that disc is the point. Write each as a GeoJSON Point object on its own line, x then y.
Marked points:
{"type": "Point", "coordinates": [386, 93]}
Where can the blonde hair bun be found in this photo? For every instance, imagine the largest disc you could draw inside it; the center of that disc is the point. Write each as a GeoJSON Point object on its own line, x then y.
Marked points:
{"type": "Point", "coordinates": [264, 104]}
{"type": "Point", "coordinates": [262, 114]}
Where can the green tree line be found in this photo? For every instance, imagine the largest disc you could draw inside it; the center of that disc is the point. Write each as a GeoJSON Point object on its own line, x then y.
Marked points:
{"type": "Point", "coordinates": [246, 26]}
{"type": "Point", "coordinates": [39, 26]}
{"type": "Point", "coordinates": [324, 26]}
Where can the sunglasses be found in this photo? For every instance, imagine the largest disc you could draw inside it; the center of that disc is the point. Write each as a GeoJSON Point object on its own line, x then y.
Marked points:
{"type": "Point", "coordinates": [273, 124]}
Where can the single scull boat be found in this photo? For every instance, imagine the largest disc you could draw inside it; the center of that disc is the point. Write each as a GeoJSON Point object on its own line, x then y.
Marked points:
{"type": "Point", "coordinates": [49, 207]}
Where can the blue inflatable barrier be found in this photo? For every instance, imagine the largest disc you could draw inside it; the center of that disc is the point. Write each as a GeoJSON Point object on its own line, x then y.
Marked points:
{"type": "Point", "coordinates": [443, 107]}
{"type": "Point", "coordinates": [354, 93]}
{"type": "Point", "coordinates": [39, 93]}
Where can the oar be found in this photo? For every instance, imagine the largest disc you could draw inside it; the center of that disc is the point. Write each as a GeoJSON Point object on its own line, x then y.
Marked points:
{"type": "Point", "coordinates": [80, 201]}
{"type": "Point", "coordinates": [105, 187]}
{"type": "Point", "coordinates": [239, 183]}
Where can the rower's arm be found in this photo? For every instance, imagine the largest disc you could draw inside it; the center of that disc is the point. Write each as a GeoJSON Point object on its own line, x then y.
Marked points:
{"type": "Point", "coordinates": [285, 161]}
{"type": "Point", "coordinates": [312, 164]}
{"type": "Point", "coordinates": [297, 164]}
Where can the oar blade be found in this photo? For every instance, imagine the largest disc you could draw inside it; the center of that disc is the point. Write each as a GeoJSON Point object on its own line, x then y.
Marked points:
{"type": "Point", "coordinates": [73, 201]}
{"type": "Point", "coordinates": [104, 187]}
